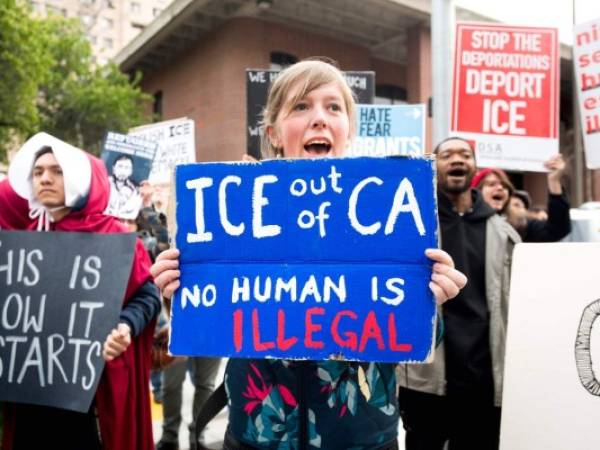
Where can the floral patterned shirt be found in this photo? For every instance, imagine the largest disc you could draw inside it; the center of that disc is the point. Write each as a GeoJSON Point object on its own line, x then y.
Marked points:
{"type": "Point", "coordinates": [279, 404]}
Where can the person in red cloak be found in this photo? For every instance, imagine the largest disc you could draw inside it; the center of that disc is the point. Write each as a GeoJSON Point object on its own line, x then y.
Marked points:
{"type": "Point", "coordinates": [31, 199]}
{"type": "Point", "coordinates": [14, 214]}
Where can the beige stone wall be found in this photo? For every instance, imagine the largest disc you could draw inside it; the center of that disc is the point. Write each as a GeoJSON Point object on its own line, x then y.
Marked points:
{"type": "Point", "coordinates": [109, 24]}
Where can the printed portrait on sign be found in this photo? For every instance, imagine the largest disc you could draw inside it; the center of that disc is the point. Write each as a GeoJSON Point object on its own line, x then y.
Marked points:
{"type": "Point", "coordinates": [125, 199]}
{"type": "Point", "coordinates": [128, 160]}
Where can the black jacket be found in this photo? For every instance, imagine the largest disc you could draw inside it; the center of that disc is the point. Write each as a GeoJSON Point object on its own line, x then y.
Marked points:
{"type": "Point", "coordinates": [556, 227]}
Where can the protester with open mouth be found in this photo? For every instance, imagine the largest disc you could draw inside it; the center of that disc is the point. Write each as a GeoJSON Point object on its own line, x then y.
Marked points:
{"type": "Point", "coordinates": [495, 186]}
{"type": "Point", "coordinates": [497, 191]}
{"type": "Point", "coordinates": [455, 402]}
{"type": "Point", "coordinates": [290, 404]}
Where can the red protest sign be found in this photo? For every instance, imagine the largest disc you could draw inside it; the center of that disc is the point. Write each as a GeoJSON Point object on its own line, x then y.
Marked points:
{"type": "Point", "coordinates": [505, 93]}
{"type": "Point", "coordinates": [586, 49]}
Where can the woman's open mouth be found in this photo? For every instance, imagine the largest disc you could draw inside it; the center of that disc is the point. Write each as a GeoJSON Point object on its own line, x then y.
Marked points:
{"type": "Point", "coordinates": [317, 147]}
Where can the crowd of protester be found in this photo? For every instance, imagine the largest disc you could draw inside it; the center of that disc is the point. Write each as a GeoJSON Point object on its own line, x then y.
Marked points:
{"type": "Point", "coordinates": [453, 401]}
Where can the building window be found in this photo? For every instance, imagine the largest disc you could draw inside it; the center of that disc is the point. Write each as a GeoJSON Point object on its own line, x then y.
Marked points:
{"type": "Point", "coordinates": [135, 7]}
{"type": "Point", "coordinates": [157, 107]}
{"type": "Point", "coordinates": [106, 23]}
{"type": "Point", "coordinates": [107, 43]}
{"type": "Point", "coordinates": [109, 4]}
{"type": "Point", "coordinates": [389, 94]}
{"type": "Point", "coordinates": [156, 12]}
{"type": "Point", "coordinates": [93, 40]}
{"type": "Point", "coordinates": [87, 2]}
{"type": "Point", "coordinates": [280, 60]}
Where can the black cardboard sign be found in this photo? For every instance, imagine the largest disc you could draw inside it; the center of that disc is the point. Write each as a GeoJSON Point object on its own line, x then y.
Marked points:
{"type": "Point", "coordinates": [60, 295]}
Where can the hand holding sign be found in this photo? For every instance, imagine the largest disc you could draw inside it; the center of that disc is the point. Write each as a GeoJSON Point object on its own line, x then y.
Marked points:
{"type": "Point", "coordinates": [556, 165]}
{"type": "Point", "coordinates": [116, 342]}
{"type": "Point", "coordinates": [324, 247]}
{"type": "Point", "coordinates": [55, 317]}
{"type": "Point", "coordinates": [165, 272]}
{"type": "Point", "coordinates": [446, 282]}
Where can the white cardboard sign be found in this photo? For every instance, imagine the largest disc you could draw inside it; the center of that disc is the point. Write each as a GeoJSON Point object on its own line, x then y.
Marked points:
{"type": "Point", "coordinates": [586, 49]}
{"type": "Point", "coordinates": [176, 145]}
{"type": "Point", "coordinates": [551, 397]}
{"type": "Point", "coordinates": [506, 94]}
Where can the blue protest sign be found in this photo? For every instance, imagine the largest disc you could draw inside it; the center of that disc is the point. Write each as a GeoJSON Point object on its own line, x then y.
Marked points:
{"type": "Point", "coordinates": [389, 130]}
{"type": "Point", "coordinates": [306, 259]}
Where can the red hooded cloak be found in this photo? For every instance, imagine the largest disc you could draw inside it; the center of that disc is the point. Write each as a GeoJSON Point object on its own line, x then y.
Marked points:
{"type": "Point", "coordinates": [123, 395]}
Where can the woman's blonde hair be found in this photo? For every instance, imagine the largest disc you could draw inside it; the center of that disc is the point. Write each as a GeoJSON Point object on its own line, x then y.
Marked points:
{"type": "Point", "coordinates": [309, 74]}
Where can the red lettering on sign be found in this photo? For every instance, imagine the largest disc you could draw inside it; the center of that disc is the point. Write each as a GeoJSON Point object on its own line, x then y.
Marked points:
{"type": "Point", "coordinates": [506, 84]}
{"type": "Point", "coordinates": [258, 345]}
{"type": "Point", "coordinates": [311, 328]}
{"type": "Point", "coordinates": [371, 330]}
{"type": "Point", "coordinates": [350, 340]}
{"type": "Point", "coordinates": [590, 103]}
{"type": "Point", "coordinates": [592, 124]}
{"type": "Point", "coordinates": [344, 333]}
{"type": "Point", "coordinates": [282, 342]}
{"type": "Point", "coordinates": [394, 346]}
{"type": "Point", "coordinates": [238, 316]}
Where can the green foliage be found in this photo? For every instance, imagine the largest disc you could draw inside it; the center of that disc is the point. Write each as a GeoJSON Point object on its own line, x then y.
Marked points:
{"type": "Point", "coordinates": [23, 64]}
{"type": "Point", "coordinates": [49, 82]}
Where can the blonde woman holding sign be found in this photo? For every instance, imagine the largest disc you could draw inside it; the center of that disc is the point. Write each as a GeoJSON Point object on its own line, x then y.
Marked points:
{"type": "Point", "coordinates": [288, 404]}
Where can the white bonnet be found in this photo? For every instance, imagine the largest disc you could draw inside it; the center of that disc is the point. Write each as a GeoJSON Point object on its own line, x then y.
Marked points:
{"type": "Point", "coordinates": [76, 167]}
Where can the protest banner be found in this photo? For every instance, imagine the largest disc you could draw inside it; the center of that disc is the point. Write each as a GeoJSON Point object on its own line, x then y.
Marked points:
{"type": "Point", "coordinates": [176, 145]}
{"type": "Point", "coordinates": [586, 53]}
{"type": "Point", "coordinates": [258, 82]}
{"type": "Point", "coordinates": [551, 375]}
{"type": "Point", "coordinates": [128, 160]}
{"type": "Point", "coordinates": [389, 130]}
{"type": "Point", "coordinates": [505, 94]}
{"type": "Point", "coordinates": [306, 259]}
{"type": "Point", "coordinates": [54, 318]}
